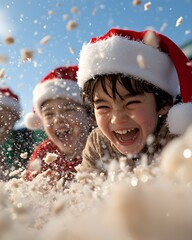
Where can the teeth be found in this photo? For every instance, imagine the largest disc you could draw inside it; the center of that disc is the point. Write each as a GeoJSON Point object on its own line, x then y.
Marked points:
{"type": "Point", "coordinates": [121, 132]}
{"type": "Point", "coordinates": [60, 132]}
{"type": "Point", "coordinates": [124, 131]}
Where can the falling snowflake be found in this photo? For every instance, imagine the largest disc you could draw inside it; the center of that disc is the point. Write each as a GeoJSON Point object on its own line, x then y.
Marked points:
{"type": "Point", "coordinates": [51, 12]}
{"type": "Point", "coordinates": [50, 157]}
{"type": "Point", "coordinates": [65, 17]}
{"type": "Point", "coordinates": [3, 59]}
{"type": "Point", "coordinates": [151, 39]}
{"type": "Point", "coordinates": [147, 5]}
{"type": "Point", "coordinates": [179, 21]}
{"type": "Point", "coordinates": [26, 55]}
{"type": "Point", "coordinates": [2, 73]}
{"type": "Point", "coordinates": [71, 50]}
{"type": "Point", "coordinates": [141, 61]}
{"type": "Point", "coordinates": [24, 155]}
{"type": "Point", "coordinates": [45, 40]}
{"type": "Point", "coordinates": [71, 25]}
{"type": "Point", "coordinates": [136, 2]}
{"type": "Point", "coordinates": [74, 10]}
{"type": "Point", "coordinates": [9, 40]}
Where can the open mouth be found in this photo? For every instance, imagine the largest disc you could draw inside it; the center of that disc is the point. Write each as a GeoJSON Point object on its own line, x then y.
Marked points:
{"type": "Point", "coordinates": [126, 135]}
{"type": "Point", "coordinates": [63, 135]}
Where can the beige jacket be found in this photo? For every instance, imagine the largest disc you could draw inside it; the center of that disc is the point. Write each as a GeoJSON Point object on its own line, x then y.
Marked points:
{"type": "Point", "coordinates": [99, 151]}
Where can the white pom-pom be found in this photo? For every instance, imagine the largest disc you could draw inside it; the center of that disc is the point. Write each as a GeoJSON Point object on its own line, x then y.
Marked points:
{"type": "Point", "coordinates": [180, 118]}
{"type": "Point", "coordinates": [32, 121]}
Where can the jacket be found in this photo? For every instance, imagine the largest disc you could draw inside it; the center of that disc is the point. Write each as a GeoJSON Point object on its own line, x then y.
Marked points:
{"type": "Point", "coordinates": [61, 166]}
{"type": "Point", "coordinates": [99, 151]}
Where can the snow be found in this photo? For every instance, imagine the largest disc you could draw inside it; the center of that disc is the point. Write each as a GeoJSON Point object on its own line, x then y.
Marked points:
{"type": "Point", "coordinates": [152, 202]}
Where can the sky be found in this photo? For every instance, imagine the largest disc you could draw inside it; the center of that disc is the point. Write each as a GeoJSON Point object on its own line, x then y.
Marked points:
{"type": "Point", "coordinates": [28, 22]}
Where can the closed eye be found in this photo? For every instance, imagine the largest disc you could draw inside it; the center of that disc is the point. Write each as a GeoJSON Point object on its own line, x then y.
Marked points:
{"type": "Point", "coordinates": [101, 107]}
{"type": "Point", "coordinates": [134, 102]}
{"type": "Point", "coordinates": [100, 103]}
{"type": "Point", "coordinates": [48, 115]}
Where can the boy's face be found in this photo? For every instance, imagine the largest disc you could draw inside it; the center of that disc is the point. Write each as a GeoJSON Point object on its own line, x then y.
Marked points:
{"type": "Point", "coordinates": [7, 121]}
{"type": "Point", "coordinates": [125, 122]}
{"type": "Point", "coordinates": [66, 123]}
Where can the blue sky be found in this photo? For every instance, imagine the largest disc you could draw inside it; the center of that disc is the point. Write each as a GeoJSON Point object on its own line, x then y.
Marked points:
{"type": "Point", "coordinates": [28, 21]}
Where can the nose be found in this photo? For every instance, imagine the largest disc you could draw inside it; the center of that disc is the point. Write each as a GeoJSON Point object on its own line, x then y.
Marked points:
{"type": "Point", "coordinates": [59, 118]}
{"type": "Point", "coordinates": [119, 117]}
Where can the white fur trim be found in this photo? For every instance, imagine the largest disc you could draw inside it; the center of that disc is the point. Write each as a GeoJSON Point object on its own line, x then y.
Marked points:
{"type": "Point", "coordinates": [180, 118]}
{"type": "Point", "coordinates": [55, 88]}
{"type": "Point", "coordinates": [117, 54]}
{"type": "Point", "coordinates": [10, 102]}
{"type": "Point", "coordinates": [32, 121]}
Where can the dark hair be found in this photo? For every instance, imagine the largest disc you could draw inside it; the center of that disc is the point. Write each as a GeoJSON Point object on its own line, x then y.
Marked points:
{"type": "Point", "coordinates": [134, 85]}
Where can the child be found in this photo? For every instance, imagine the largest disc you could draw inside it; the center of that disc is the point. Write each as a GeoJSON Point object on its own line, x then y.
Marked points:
{"type": "Point", "coordinates": [9, 114]}
{"type": "Point", "coordinates": [132, 80]}
{"type": "Point", "coordinates": [13, 142]}
{"type": "Point", "coordinates": [58, 108]}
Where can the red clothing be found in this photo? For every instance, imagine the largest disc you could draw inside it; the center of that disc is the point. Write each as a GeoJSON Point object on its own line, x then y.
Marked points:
{"type": "Point", "coordinates": [60, 165]}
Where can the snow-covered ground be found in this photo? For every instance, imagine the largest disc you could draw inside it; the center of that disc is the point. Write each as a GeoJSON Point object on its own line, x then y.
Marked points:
{"type": "Point", "coordinates": [152, 203]}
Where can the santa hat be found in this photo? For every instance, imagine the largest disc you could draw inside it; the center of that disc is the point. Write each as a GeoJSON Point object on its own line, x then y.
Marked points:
{"type": "Point", "coordinates": [59, 83]}
{"type": "Point", "coordinates": [147, 55]}
{"type": "Point", "coordinates": [10, 100]}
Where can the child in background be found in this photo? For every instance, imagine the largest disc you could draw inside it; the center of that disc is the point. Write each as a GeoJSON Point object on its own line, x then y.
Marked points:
{"type": "Point", "coordinates": [58, 108]}
{"type": "Point", "coordinates": [13, 142]}
{"type": "Point", "coordinates": [9, 114]}
{"type": "Point", "coordinates": [132, 80]}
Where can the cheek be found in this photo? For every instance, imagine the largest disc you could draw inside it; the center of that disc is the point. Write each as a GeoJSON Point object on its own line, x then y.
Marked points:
{"type": "Point", "coordinates": [148, 120]}
{"type": "Point", "coordinates": [77, 120]}
{"type": "Point", "coordinates": [48, 131]}
{"type": "Point", "coordinates": [78, 127]}
{"type": "Point", "coordinates": [102, 120]}
{"type": "Point", "coordinates": [47, 123]}
{"type": "Point", "coordinates": [98, 118]}
{"type": "Point", "coordinates": [80, 123]}
{"type": "Point", "coordinates": [47, 127]}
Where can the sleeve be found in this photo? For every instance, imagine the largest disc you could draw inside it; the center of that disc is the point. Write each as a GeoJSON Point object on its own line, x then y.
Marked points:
{"type": "Point", "coordinates": [90, 154]}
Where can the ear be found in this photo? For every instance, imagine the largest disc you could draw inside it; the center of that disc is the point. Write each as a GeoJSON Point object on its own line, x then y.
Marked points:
{"type": "Point", "coordinates": [164, 110]}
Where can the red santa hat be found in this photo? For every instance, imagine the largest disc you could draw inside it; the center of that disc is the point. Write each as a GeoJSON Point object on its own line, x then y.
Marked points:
{"type": "Point", "coordinates": [147, 55]}
{"type": "Point", "coordinates": [59, 83]}
{"type": "Point", "coordinates": [10, 100]}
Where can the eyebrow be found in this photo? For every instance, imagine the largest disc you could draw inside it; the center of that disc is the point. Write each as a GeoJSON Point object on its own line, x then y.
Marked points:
{"type": "Point", "coordinates": [45, 108]}
{"type": "Point", "coordinates": [100, 100]}
{"type": "Point", "coordinates": [68, 104]}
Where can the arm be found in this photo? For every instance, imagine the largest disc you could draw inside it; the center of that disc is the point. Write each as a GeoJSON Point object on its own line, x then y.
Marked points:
{"type": "Point", "coordinates": [93, 152]}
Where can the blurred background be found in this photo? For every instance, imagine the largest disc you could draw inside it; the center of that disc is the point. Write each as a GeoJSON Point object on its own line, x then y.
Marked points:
{"type": "Point", "coordinates": [39, 35]}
